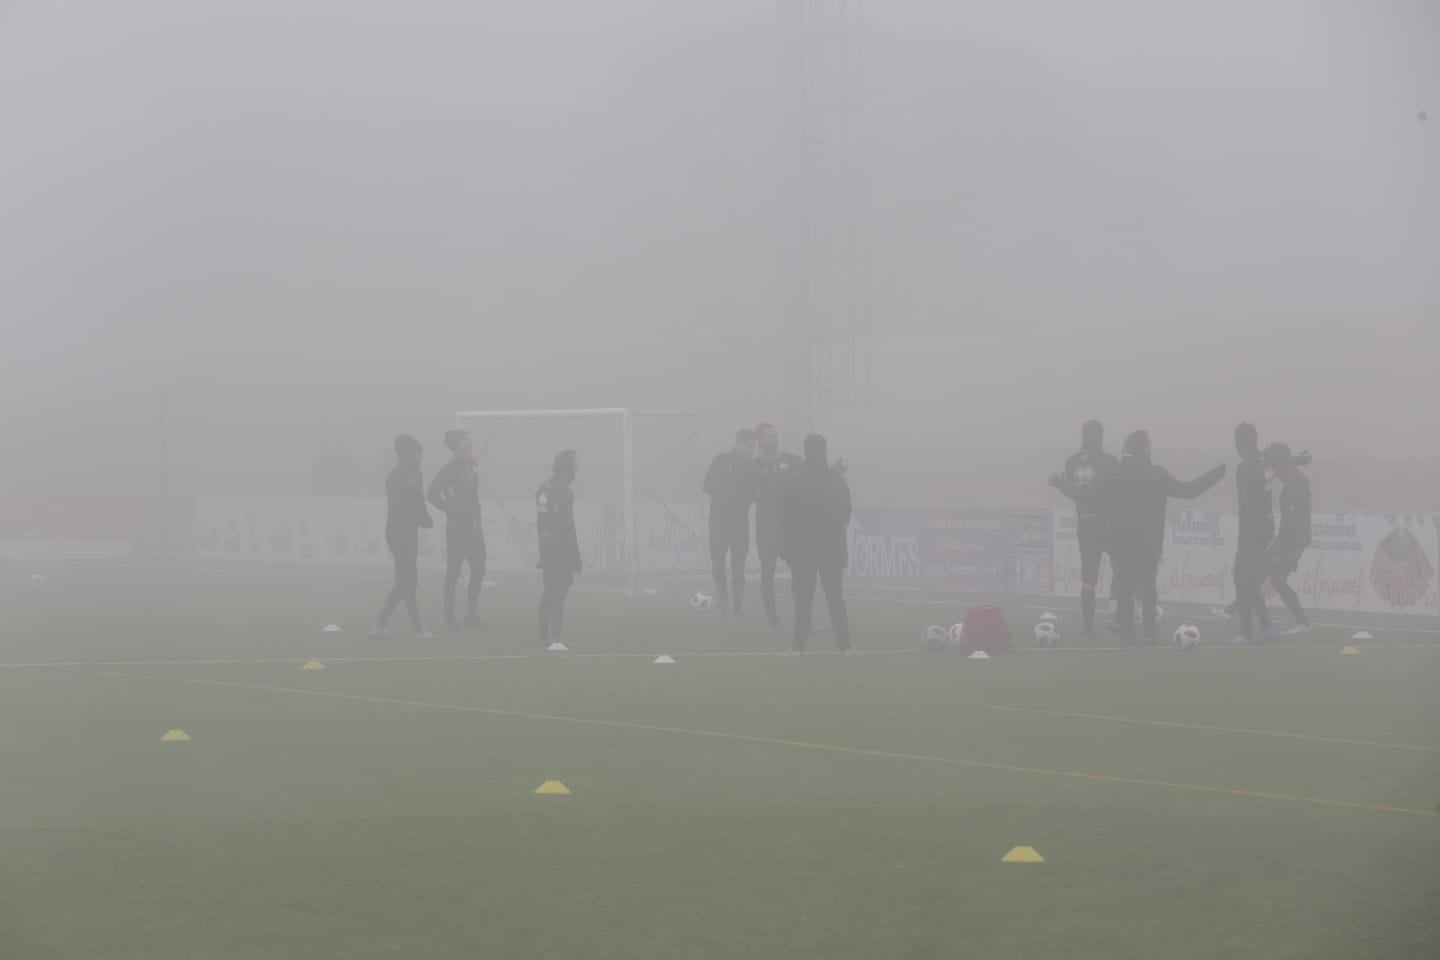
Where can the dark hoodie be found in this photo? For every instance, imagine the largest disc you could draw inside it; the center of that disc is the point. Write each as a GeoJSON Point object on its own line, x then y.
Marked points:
{"type": "Point", "coordinates": [1083, 474]}
{"type": "Point", "coordinates": [814, 514]}
{"type": "Point", "coordinates": [1134, 499]}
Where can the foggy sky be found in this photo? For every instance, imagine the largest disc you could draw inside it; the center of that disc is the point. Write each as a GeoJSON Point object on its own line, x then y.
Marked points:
{"type": "Point", "coordinates": [309, 219]}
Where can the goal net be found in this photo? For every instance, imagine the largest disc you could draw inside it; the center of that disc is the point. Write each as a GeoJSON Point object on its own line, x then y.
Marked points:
{"type": "Point", "coordinates": [638, 508]}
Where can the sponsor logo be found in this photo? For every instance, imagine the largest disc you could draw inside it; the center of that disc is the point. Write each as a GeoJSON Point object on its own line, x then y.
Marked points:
{"type": "Point", "coordinates": [883, 556]}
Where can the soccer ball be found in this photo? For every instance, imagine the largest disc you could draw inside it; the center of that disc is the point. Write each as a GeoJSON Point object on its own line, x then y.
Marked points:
{"type": "Point", "coordinates": [935, 638]}
{"type": "Point", "coordinates": [702, 603]}
{"type": "Point", "coordinates": [38, 581]}
{"type": "Point", "coordinates": [1187, 636]}
{"type": "Point", "coordinates": [957, 635]}
{"type": "Point", "coordinates": [1045, 634]}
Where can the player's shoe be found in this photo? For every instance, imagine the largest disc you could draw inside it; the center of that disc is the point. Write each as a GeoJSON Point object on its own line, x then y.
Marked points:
{"type": "Point", "coordinates": [778, 628]}
{"type": "Point", "coordinates": [1244, 641]}
{"type": "Point", "coordinates": [381, 633]}
{"type": "Point", "coordinates": [1220, 613]}
{"type": "Point", "coordinates": [1269, 633]}
{"type": "Point", "coordinates": [1297, 630]}
{"type": "Point", "coordinates": [425, 636]}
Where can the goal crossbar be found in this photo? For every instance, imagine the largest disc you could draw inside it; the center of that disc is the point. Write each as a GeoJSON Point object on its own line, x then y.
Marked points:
{"type": "Point", "coordinates": [630, 480]}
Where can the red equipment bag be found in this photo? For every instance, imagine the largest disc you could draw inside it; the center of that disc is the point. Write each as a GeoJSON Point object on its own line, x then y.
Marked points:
{"type": "Point", "coordinates": [985, 629]}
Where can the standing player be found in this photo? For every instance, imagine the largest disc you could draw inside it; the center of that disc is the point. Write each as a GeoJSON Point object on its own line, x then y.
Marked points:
{"type": "Point", "coordinates": [771, 469]}
{"type": "Point", "coordinates": [405, 517]}
{"type": "Point", "coordinates": [1293, 537]}
{"type": "Point", "coordinates": [1133, 501]}
{"type": "Point", "coordinates": [1257, 530]}
{"type": "Point", "coordinates": [1081, 482]}
{"type": "Point", "coordinates": [814, 516]}
{"type": "Point", "coordinates": [559, 546]}
{"type": "Point", "coordinates": [455, 492]}
{"type": "Point", "coordinates": [729, 485]}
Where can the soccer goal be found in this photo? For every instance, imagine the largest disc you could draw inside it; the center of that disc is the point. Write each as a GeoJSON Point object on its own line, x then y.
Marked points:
{"type": "Point", "coordinates": [635, 512]}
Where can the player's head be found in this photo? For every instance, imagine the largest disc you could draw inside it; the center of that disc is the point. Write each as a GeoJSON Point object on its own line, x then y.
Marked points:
{"type": "Point", "coordinates": [745, 443]}
{"type": "Point", "coordinates": [768, 438]}
{"type": "Point", "coordinates": [1137, 445]}
{"type": "Point", "coordinates": [566, 465]}
{"type": "Point", "coordinates": [1092, 435]}
{"type": "Point", "coordinates": [1247, 439]}
{"type": "Point", "coordinates": [1279, 459]}
{"type": "Point", "coordinates": [408, 449]}
{"type": "Point", "coordinates": [817, 451]}
{"type": "Point", "coordinates": [459, 443]}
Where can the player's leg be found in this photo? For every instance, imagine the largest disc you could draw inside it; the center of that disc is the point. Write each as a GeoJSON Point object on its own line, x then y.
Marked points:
{"type": "Point", "coordinates": [769, 558]}
{"type": "Point", "coordinates": [802, 584]}
{"type": "Point", "coordinates": [409, 581]}
{"type": "Point", "coordinates": [1091, 550]}
{"type": "Point", "coordinates": [832, 579]}
{"type": "Point", "coordinates": [557, 612]}
{"type": "Point", "coordinates": [1148, 593]}
{"type": "Point", "coordinates": [719, 549]}
{"type": "Point", "coordinates": [1280, 572]}
{"type": "Point", "coordinates": [1124, 589]}
{"type": "Point", "coordinates": [547, 602]}
{"type": "Point", "coordinates": [455, 552]}
{"type": "Point", "coordinates": [475, 559]}
{"type": "Point", "coordinates": [392, 599]}
{"type": "Point", "coordinates": [739, 554]}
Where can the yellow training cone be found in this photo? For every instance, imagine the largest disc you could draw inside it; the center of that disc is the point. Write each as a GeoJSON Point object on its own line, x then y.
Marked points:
{"type": "Point", "coordinates": [313, 665]}
{"type": "Point", "coordinates": [176, 736]}
{"type": "Point", "coordinates": [552, 788]}
{"type": "Point", "coordinates": [1350, 650]}
{"type": "Point", "coordinates": [1022, 855]}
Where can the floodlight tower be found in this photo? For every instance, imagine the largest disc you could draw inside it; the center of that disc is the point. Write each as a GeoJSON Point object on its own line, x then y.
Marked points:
{"type": "Point", "coordinates": [825, 321]}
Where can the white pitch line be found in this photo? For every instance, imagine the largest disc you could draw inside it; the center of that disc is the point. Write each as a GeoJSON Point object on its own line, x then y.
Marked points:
{"type": "Point", "coordinates": [711, 655]}
{"type": "Point", "coordinates": [933, 602]}
{"type": "Point", "coordinates": [454, 659]}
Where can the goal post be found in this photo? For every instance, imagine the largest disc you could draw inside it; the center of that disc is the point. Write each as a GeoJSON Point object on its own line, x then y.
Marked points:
{"type": "Point", "coordinates": [621, 475]}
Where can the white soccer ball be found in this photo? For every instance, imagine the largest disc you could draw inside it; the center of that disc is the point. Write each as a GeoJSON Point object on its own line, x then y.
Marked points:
{"type": "Point", "coordinates": [1187, 636]}
{"type": "Point", "coordinates": [702, 603]}
{"type": "Point", "coordinates": [1045, 634]}
{"type": "Point", "coordinates": [935, 637]}
{"type": "Point", "coordinates": [957, 635]}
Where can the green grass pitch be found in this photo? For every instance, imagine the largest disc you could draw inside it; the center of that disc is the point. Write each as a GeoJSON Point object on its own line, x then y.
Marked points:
{"type": "Point", "coordinates": [1221, 803]}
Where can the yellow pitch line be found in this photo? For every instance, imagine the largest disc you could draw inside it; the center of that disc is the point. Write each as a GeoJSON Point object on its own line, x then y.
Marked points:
{"type": "Point", "coordinates": [1215, 728]}
{"type": "Point", "coordinates": [783, 742]}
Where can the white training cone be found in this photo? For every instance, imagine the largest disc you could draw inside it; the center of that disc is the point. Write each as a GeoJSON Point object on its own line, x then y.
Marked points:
{"type": "Point", "coordinates": [332, 628]}
{"type": "Point", "coordinates": [663, 658]}
{"type": "Point", "coordinates": [979, 655]}
{"type": "Point", "coordinates": [1362, 635]}
{"type": "Point", "coordinates": [1047, 615]}
{"type": "Point", "coordinates": [557, 647]}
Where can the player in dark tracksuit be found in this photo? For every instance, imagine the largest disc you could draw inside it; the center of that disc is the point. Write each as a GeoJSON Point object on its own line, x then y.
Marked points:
{"type": "Point", "coordinates": [455, 491]}
{"type": "Point", "coordinates": [729, 484]}
{"type": "Point", "coordinates": [1133, 501]}
{"type": "Point", "coordinates": [1293, 537]}
{"type": "Point", "coordinates": [814, 517]}
{"type": "Point", "coordinates": [1257, 530]}
{"type": "Point", "coordinates": [559, 545]}
{"type": "Point", "coordinates": [771, 468]}
{"type": "Point", "coordinates": [1081, 482]}
{"type": "Point", "coordinates": [405, 517]}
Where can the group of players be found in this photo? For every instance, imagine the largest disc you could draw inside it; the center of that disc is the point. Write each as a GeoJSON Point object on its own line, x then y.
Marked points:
{"type": "Point", "coordinates": [1120, 507]}
{"type": "Point", "coordinates": [802, 510]}
{"type": "Point", "coordinates": [455, 491]}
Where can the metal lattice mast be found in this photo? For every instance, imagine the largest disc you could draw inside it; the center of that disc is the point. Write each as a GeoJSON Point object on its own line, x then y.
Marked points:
{"type": "Point", "coordinates": [826, 324]}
